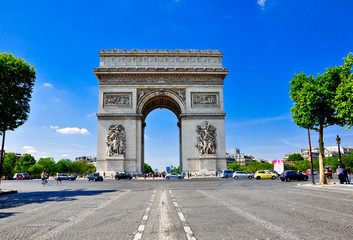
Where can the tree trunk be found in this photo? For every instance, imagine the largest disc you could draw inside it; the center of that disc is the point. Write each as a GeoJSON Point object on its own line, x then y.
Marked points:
{"type": "Point", "coordinates": [322, 157]}
{"type": "Point", "coordinates": [2, 155]}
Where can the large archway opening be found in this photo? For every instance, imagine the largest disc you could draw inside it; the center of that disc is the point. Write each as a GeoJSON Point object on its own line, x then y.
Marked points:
{"type": "Point", "coordinates": [161, 138]}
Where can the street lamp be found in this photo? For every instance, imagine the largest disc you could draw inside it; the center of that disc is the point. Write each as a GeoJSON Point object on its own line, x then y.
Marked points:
{"type": "Point", "coordinates": [338, 140]}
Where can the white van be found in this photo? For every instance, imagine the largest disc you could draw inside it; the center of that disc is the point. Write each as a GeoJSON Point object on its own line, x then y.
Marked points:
{"type": "Point", "coordinates": [226, 173]}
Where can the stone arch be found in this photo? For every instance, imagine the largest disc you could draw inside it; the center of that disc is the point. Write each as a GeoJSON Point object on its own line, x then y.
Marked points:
{"type": "Point", "coordinates": [157, 99]}
{"type": "Point", "coordinates": [132, 83]}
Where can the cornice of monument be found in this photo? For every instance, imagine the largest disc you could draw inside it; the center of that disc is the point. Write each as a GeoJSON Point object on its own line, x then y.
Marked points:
{"type": "Point", "coordinates": [160, 60]}
{"type": "Point", "coordinates": [150, 52]}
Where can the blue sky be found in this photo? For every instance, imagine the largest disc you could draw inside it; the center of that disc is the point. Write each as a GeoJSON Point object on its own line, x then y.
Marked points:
{"type": "Point", "coordinates": [264, 43]}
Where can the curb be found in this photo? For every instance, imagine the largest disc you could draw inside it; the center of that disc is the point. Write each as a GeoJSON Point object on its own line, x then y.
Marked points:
{"type": "Point", "coordinates": [8, 191]}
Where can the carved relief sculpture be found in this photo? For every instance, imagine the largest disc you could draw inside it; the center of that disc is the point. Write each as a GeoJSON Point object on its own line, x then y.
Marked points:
{"type": "Point", "coordinates": [117, 99]}
{"type": "Point", "coordinates": [116, 141]}
{"type": "Point", "coordinates": [206, 139]}
{"type": "Point", "coordinates": [205, 99]}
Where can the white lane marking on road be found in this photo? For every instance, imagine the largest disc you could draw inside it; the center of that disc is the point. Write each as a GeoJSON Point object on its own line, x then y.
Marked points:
{"type": "Point", "coordinates": [164, 229]}
{"type": "Point", "coordinates": [188, 232]}
{"type": "Point", "coordinates": [181, 216]}
{"type": "Point", "coordinates": [138, 236]}
{"type": "Point", "coordinates": [74, 220]}
{"type": "Point", "coordinates": [141, 228]}
{"type": "Point", "coordinates": [144, 219]}
{"type": "Point", "coordinates": [271, 227]}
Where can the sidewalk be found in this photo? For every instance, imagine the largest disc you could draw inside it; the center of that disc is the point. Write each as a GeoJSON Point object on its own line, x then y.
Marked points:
{"type": "Point", "coordinates": [7, 191]}
{"type": "Point", "coordinates": [339, 187]}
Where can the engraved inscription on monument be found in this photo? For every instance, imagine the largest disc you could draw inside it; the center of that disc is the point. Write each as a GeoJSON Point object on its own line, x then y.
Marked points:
{"type": "Point", "coordinates": [204, 99]}
{"type": "Point", "coordinates": [117, 100]}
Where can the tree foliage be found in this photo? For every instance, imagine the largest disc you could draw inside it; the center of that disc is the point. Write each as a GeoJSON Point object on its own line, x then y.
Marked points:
{"type": "Point", "coordinates": [64, 166]}
{"type": "Point", "coordinates": [344, 97]}
{"type": "Point", "coordinates": [176, 170]}
{"type": "Point", "coordinates": [48, 165]}
{"type": "Point", "coordinates": [295, 157]}
{"type": "Point", "coordinates": [9, 165]}
{"type": "Point", "coordinates": [24, 163]}
{"type": "Point", "coordinates": [148, 168]}
{"type": "Point", "coordinates": [16, 83]}
{"type": "Point", "coordinates": [315, 102]}
{"type": "Point", "coordinates": [236, 167]}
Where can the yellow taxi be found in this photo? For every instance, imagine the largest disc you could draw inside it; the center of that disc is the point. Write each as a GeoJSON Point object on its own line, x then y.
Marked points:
{"type": "Point", "coordinates": [265, 174]}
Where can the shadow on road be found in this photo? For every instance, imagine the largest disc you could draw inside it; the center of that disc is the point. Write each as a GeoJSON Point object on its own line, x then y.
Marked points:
{"type": "Point", "coordinates": [20, 199]}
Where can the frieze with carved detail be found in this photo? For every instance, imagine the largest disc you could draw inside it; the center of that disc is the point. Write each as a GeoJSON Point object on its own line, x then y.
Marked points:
{"type": "Point", "coordinates": [205, 99]}
{"type": "Point", "coordinates": [160, 80]}
{"type": "Point", "coordinates": [117, 99]}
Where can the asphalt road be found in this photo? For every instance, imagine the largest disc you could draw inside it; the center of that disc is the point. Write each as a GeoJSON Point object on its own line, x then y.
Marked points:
{"type": "Point", "coordinates": [186, 209]}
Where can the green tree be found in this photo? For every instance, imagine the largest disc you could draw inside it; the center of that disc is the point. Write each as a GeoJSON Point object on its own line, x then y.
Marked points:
{"type": "Point", "coordinates": [35, 170]}
{"type": "Point", "coordinates": [344, 97]}
{"type": "Point", "coordinates": [9, 165]}
{"type": "Point", "coordinates": [236, 167]}
{"type": "Point", "coordinates": [48, 165]}
{"type": "Point", "coordinates": [302, 165]}
{"type": "Point", "coordinates": [315, 105]}
{"type": "Point", "coordinates": [256, 166]}
{"type": "Point", "coordinates": [24, 163]}
{"type": "Point", "coordinates": [64, 166]}
{"type": "Point", "coordinates": [16, 85]}
{"type": "Point", "coordinates": [295, 157]}
{"type": "Point", "coordinates": [148, 168]}
{"type": "Point", "coordinates": [82, 166]}
{"type": "Point", "coordinates": [176, 170]}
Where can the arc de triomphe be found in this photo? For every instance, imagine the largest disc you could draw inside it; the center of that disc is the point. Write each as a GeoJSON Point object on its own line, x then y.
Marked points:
{"type": "Point", "coordinates": [132, 83]}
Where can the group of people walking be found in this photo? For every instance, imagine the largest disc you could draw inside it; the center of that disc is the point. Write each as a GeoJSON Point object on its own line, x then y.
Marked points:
{"type": "Point", "coordinates": [344, 175]}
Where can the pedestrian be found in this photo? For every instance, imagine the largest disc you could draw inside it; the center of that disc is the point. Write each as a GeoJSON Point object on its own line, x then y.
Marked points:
{"type": "Point", "coordinates": [42, 176]}
{"type": "Point", "coordinates": [340, 174]}
{"type": "Point", "coordinates": [348, 175]}
{"type": "Point", "coordinates": [329, 176]}
{"type": "Point", "coordinates": [58, 178]}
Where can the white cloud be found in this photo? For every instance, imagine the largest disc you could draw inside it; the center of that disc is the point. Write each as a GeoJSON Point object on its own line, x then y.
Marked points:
{"type": "Point", "coordinates": [64, 155]}
{"type": "Point", "coordinates": [91, 115]}
{"type": "Point", "coordinates": [261, 2]}
{"type": "Point", "coordinates": [73, 130]}
{"type": "Point", "coordinates": [47, 85]}
{"type": "Point", "coordinates": [30, 150]}
{"type": "Point", "coordinates": [54, 127]}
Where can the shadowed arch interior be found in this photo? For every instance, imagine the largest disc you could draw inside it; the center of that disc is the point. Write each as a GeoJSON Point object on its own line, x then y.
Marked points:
{"type": "Point", "coordinates": [161, 102]}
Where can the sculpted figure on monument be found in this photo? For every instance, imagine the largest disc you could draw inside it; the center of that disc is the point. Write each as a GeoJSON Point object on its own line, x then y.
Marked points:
{"type": "Point", "coordinates": [206, 139]}
{"type": "Point", "coordinates": [116, 141]}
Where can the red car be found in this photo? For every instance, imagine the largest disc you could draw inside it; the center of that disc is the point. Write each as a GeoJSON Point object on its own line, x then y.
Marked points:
{"type": "Point", "coordinates": [21, 176]}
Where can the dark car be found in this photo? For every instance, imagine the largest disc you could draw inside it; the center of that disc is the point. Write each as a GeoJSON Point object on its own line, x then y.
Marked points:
{"type": "Point", "coordinates": [293, 175]}
{"type": "Point", "coordinates": [64, 176]}
{"type": "Point", "coordinates": [119, 176]}
{"type": "Point", "coordinates": [95, 177]}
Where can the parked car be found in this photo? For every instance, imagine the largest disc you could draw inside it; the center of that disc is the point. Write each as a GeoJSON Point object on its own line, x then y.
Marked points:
{"type": "Point", "coordinates": [64, 176]}
{"type": "Point", "coordinates": [242, 174]}
{"type": "Point", "coordinates": [265, 174]}
{"type": "Point", "coordinates": [21, 176]}
{"type": "Point", "coordinates": [293, 175]}
{"type": "Point", "coordinates": [95, 177]}
{"type": "Point", "coordinates": [308, 172]}
{"type": "Point", "coordinates": [274, 171]}
{"type": "Point", "coordinates": [174, 176]}
{"type": "Point", "coordinates": [227, 173]}
{"type": "Point", "coordinates": [119, 176]}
